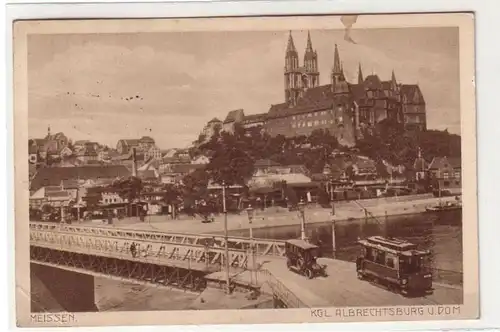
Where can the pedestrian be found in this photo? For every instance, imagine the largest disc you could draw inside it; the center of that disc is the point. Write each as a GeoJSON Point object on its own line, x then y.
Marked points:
{"type": "Point", "coordinates": [133, 249]}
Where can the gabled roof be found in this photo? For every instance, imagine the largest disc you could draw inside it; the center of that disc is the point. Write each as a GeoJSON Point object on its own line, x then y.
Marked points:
{"type": "Point", "coordinates": [38, 141]}
{"type": "Point", "coordinates": [214, 120]}
{"type": "Point", "coordinates": [372, 82]}
{"type": "Point", "coordinates": [130, 142]}
{"type": "Point", "coordinates": [183, 168]}
{"type": "Point", "coordinates": [412, 93]}
{"type": "Point", "coordinates": [146, 139]}
{"type": "Point", "coordinates": [146, 174]}
{"type": "Point", "coordinates": [445, 162]}
{"type": "Point", "coordinates": [357, 91]}
{"type": "Point", "coordinates": [52, 176]}
{"type": "Point", "coordinates": [81, 142]}
{"type": "Point", "coordinates": [235, 115]}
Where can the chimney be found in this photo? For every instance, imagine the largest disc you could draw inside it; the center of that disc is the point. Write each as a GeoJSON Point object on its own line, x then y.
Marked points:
{"type": "Point", "coordinates": [134, 163]}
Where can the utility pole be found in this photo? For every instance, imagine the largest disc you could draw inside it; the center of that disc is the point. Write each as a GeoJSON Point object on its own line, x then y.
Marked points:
{"type": "Point", "coordinates": [226, 249]}
{"type": "Point", "coordinates": [334, 244]}
{"type": "Point", "coordinates": [303, 220]}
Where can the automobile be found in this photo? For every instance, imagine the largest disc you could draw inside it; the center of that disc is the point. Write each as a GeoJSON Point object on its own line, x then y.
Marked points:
{"type": "Point", "coordinates": [396, 264]}
{"type": "Point", "coordinates": [301, 257]}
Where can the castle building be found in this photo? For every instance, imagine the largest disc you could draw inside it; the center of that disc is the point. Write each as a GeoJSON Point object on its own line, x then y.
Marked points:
{"type": "Point", "coordinates": [341, 107]}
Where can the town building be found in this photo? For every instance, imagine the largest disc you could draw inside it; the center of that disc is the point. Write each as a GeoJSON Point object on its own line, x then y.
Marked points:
{"type": "Point", "coordinates": [446, 175]}
{"type": "Point", "coordinates": [88, 175]}
{"type": "Point", "coordinates": [124, 146]}
{"type": "Point", "coordinates": [343, 108]}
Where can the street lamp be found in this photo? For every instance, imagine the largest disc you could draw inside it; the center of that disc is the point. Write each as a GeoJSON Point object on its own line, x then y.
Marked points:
{"type": "Point", "coordinates": [250, 213]}
{"type": "Point", "coordinates": [334, 245]}
{"type": "Point", "coordinates": [301, 206]}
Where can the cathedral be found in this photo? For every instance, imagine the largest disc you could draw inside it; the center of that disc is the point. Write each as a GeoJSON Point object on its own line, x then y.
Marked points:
{"type": "Point", "coordinates": [344, 108]}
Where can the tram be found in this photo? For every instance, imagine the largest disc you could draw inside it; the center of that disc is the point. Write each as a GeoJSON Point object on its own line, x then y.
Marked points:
{"type": "Point", "coordinates": [396, 264]}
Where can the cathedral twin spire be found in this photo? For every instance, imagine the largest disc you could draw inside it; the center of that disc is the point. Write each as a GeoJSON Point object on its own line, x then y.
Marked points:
{"type": "Point", "coordinates": [298, 78]}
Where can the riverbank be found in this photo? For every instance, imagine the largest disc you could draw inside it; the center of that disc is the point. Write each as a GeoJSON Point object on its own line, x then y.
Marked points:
{"type": "Point", "coordinates": [271, 217]}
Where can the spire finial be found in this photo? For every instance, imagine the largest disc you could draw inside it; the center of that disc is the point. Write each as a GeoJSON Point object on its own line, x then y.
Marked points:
{"type": "Point", "coordinates": [291, 45]}
{"type": "Point", "coordinates": [309, 43]}
{"type": "Point", "coordinates": [360, 75]}
{"type": "Point", "coordinates": [336, 60]}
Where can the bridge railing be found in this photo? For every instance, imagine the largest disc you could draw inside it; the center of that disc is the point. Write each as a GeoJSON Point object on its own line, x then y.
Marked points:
{"type": "Point", "coordinates": [280, 290]}
{"type": "Point", "coordinates": [115, 247]}
{"type": "Point", "coordinates": [263, 247]}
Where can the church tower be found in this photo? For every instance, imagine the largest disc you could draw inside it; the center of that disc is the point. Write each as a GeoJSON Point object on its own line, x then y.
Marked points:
{"type": "Point", "coordinates": [310, 65]}
{"type": "Point", "coordinates": [339, 84]}
{"type": "Point", "coordinates": [394, 83]}
{"type": "Point", "coordinates": [292, 73]}
{"type": "Point", "coordinates": [360, 75]}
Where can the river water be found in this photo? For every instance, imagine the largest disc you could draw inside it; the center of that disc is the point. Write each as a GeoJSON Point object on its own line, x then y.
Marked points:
{"type": "Point", "coordinates": [440, 233]}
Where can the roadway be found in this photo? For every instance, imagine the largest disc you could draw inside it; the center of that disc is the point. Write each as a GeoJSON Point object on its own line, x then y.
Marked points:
{"type": "Point", "coordinates": [342, 287]}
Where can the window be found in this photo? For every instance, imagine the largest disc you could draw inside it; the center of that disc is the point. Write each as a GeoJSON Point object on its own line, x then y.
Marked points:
{"type": "Point", "coordinates": [309, 123]}
{"type": "Point", "coordinates": [294, 125]}
{"type": "Point", "coordinates": [445, 175]}
{"type": "Point", "coordinates": [457, 174]}
{"type": "Point", "coordinates": [293, 117]}
{"type": "Point", "coordinates": [390, 262]}
{"type": "Point", "coordinates": [316, 122]}
{"type": "Point", "coordinates": [309, 115]}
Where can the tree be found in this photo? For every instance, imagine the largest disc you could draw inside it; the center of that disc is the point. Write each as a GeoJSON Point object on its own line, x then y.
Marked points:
{"type": "Point", "coordinates": [129, 188]}
{"type": "Point", "coordinates": [92, 198]}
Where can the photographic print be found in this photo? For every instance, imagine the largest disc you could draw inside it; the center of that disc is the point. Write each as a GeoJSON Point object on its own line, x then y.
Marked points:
{"type": "Point", "coordinates": [304, 169]}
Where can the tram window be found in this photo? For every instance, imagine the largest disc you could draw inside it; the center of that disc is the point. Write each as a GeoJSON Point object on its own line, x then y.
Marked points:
{"type": "Point", "coordinates": [390, 262]}
{"type": "Point", "coordinates": [380, 257]}
{"type": "Point", "coordinates": [369, 254]}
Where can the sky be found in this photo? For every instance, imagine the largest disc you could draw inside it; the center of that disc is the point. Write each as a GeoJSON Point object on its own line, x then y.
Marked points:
{"type": "Point", "coordinates": [106, 87]}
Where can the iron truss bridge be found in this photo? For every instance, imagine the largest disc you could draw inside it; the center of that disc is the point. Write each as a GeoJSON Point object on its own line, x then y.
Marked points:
{"type": "Point", "coordinates": [262, 247]}
{"type": "Point", "coordinates": [171, 260]}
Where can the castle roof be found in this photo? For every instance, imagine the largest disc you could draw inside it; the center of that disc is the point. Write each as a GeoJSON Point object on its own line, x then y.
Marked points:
{"type": "Point", "coordinates": [234, 115]}
{"type": "Point", "coordinates": [314, 99]}
{"type": "Point", "coordinates": [412, 93]}
{"type": "Point", "coordinates": [255, 118]}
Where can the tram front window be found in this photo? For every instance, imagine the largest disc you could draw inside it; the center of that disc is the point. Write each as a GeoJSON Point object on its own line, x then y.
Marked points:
{"type": "Point", "coordinates": [416, 264]}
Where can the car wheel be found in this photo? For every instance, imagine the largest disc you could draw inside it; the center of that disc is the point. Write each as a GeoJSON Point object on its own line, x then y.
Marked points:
{"type": "Point", "coordinates": [309, 273]}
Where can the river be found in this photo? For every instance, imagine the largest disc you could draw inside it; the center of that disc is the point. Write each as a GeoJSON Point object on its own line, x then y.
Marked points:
{"type": "Point", "coordinates": [439, 233]}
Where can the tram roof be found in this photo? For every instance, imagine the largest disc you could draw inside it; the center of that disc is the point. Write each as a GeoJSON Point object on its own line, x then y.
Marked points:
{"type": "Point", "coordinates": [394, 244]}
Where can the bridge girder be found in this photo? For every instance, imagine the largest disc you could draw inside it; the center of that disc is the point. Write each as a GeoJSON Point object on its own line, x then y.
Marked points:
{"type": "Point", "coordinates": [173, 276]}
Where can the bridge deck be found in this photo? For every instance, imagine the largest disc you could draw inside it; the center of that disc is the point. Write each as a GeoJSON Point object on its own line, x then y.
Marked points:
{"type": "Point", "coordinates": [342, 288]}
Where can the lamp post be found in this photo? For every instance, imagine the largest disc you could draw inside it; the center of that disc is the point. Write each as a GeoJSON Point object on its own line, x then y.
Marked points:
{"type": "Point", "coordinates": [226, 249]}
{"type": "Point", "coordinates": [250, 212]}
{"type": "Point", "coordinates": [301, 206]}
{"type": "Point", "coordinates": [334, 244]}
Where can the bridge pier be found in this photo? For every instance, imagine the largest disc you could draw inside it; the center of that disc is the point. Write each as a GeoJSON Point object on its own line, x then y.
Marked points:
{"type": "Point", "coordinates": [55, 290]}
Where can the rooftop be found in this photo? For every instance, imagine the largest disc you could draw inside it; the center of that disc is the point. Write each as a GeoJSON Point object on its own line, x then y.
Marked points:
{"type": "Point", "coordinates": [52, 176]}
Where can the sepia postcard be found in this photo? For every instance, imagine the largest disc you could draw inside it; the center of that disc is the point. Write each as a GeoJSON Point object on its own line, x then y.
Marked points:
{"type": "Point", "coordinates": [245, 170]}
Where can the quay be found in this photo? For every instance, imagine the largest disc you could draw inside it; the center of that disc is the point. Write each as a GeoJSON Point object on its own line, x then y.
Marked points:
{"type": "Point", "coordinates": [271, 217]}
